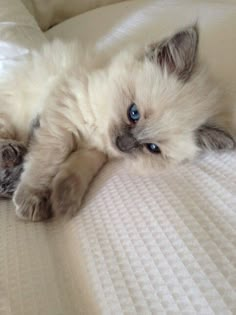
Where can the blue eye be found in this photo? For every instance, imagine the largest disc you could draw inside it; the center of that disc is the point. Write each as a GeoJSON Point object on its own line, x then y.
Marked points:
{"type": "Point", "coordinates": [133, 113]}
{"type": "Point", "coordinates": [153, 148]}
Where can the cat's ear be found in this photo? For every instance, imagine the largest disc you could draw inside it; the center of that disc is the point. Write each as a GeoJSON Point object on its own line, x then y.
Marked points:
{"type": "Point", "coordinates": [213, 138]}
{"type": "Point", "coordinates": [176, 54]}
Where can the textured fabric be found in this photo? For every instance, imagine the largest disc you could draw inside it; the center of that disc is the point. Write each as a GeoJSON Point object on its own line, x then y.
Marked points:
{"type": "Point", "coordinates": [37, 275]}
{"type": "Point", "coordinates": [160, 245]}
{"type": "Point", "coordinates": [138, 246]}
{"type": "Point", "coordinates": [163, 245]}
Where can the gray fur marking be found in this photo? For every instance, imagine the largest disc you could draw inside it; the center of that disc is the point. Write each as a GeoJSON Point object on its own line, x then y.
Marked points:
{"type": "Point", "coordinates": [213, 138]}
{"type": "Point", "coordinates": [178, 53]}
{"type": "Point", "coordinates": [12, 155]}
{"type": "Point", "coordinates": [34, 125]}
{"type": "Point", "coordinates": [9, 179]}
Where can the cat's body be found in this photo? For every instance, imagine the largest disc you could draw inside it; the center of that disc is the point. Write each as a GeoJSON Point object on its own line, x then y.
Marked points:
{"type": "Point", "coordinates": [153, 107]}
{"type": "Point", "coordinates": [26, 89]}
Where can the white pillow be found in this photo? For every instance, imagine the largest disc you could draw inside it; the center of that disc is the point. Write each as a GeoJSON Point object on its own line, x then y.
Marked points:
{"type": "Point", "coordinates": [19, 32]}
{"type": "Point", "coordinates": [51, 12]}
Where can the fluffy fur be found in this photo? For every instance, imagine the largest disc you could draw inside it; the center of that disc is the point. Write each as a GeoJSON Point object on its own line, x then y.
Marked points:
{"type": "Point", "coordinates": [82, 105]}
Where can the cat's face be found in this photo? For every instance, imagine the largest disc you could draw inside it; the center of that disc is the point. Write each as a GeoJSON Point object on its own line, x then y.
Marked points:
{"type": "Point", "coordinates": [155, 104]}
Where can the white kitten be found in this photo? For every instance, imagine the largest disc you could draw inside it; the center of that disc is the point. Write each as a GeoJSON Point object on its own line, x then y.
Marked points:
{"type": "Point", "coordinates": [152, 106]}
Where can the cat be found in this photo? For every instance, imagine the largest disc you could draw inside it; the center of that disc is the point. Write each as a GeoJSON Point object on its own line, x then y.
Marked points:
{"type": "Point", "coordinates": [154, 106]}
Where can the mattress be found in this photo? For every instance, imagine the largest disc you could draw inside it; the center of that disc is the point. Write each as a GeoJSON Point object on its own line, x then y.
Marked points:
{"type": "Point", "coordinates": [139, 245]}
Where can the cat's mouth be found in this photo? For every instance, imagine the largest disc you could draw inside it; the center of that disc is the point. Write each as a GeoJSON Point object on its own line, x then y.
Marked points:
{"type": "Point", "coordinates": [126, 143]}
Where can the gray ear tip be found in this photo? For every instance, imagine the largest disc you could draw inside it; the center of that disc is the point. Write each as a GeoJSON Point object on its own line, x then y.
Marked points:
{"type": "Point", "coordinates": [176, 54]}
{"type": "Point", "coordinates": [194, 29]}
{"type": "Point", "coordinates": [192, 32]}
{"type": "Point", "coordinates": [195, 26]}
{"type": "Point", "coordinates": [189, 33]}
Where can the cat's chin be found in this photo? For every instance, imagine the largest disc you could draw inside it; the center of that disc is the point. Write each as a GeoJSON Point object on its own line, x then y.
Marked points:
{"type": "Point", "coordinates": [146, 167]}
{"type": "Point", "coordinates": [135, 164]}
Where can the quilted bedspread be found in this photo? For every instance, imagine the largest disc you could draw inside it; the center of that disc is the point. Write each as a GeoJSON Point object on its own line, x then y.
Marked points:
{"type": "Point", "coordinates": [139, 245]}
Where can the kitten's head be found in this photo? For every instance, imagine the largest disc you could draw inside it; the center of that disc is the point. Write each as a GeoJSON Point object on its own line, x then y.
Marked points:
{"type": "Point", "coordinates": [155, 105]}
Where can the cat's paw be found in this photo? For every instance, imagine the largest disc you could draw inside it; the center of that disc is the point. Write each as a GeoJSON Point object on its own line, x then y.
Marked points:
{"type": "Point", "coordinates": [67, 193]}
{"type": "Point", "coordinates": [32, 204]}
{"type": "Point", "coordinates": [11, 153]}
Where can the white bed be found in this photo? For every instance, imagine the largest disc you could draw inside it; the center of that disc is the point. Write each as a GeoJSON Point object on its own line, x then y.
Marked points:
{"type": "Point", "coordinates": [161, 245]}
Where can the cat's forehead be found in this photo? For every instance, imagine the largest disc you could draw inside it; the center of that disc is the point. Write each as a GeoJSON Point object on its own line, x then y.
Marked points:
{"type": "Point", "coordinates": [157, 98]}
{"type": "Point", "coordinates": [152, 85]}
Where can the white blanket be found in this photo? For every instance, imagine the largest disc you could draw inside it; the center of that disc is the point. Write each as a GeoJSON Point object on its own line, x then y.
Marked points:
{"type": "Point", "coordinates": [138, 246]}
{"type": "Point", "coordinates": [157, 245]}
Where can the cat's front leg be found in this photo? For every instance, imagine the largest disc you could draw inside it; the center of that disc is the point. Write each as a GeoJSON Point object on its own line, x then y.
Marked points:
{"type": "Point", "coordinates": [49, 150]}
{"type": "Point", "coordinates": [71, 183]}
